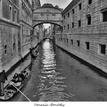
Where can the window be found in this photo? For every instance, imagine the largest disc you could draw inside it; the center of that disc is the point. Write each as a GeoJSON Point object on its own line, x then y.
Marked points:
{"type": "Point", "coordinates": [104, 16]}
{"type": "Point", "coordinates": [87, 45]}
{"type": "Point", "coordinates": [89, 2]}
{"type": "Point", "coordinates": [78, 43]}
{"type": "Point", "coordinates": [68, 15]}
{"type": "Point", "coordinates": [14, 46]}
{"type": "Point", "coordinates": [102, 49]}
{"type": "Point", "coordinates": [72, 41]}
{"type": "Point", "coordinates": [73, 11]}
{"type": "Point", "coordinates": [64, 17]}
{"type": "Point", "coordinates": [15, 12]}
{"type": "Point", "coordinates": [67, 40]}
{"type": "Point", "coordinates": [72, 24]}
{"type": "Point", "coordinates": [79, 23]}
{"type": "Point", "coordinates": [5, 49]}
{"type": "Point", "coordinates": [68, 26]}
{"type": "Point", "coordinates": [10, 10]}
{"type": "Point", "coordinates": [88, 19]}
{"type": "Point", "coordinates": [80, 6]}
{"type": "Point", "coordinates": [15, 15]}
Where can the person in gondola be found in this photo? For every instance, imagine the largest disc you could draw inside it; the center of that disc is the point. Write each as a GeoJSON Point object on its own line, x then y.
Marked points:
{"type": "Point", "coordinates": [17, 80]}
{"type": "Point", "coordinates": [21, 75]}
{"type": "Point", "coordinates": [15, 77]}
{"type": "Point", "coordinates": [3, 77]}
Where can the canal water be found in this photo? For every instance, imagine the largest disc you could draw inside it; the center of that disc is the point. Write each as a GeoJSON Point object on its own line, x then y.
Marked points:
{"type": "Point", "coordinates": [58, 76]}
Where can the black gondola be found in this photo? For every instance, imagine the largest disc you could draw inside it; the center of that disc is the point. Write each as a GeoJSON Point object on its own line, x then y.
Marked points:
{"type": "Point", "coordinates": [10, 90]}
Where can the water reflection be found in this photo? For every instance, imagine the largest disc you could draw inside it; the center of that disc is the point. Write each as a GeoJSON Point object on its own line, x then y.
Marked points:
{"type": "Point", "coordinates": [51, 87]}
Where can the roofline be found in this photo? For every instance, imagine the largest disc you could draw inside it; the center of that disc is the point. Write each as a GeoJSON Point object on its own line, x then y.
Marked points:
{"type": "Point", "coordinates": [71, 5]}
{"type": "Point", "coordinates": [48, 7]}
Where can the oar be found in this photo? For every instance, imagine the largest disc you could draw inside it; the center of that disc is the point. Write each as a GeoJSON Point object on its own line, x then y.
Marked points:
{"type": "Point", "coordinates": [21, 92]}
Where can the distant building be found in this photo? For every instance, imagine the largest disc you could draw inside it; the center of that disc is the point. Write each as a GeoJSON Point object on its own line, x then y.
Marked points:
{"type": "Point", "coordinates": [85, 31]}
{"type": "Point", "coordinates": [38, 30]}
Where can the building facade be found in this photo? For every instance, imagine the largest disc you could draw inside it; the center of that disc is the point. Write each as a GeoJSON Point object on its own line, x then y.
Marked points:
{"type": "Point", "coordinates": [85, 31]}
{"type": "Point", "coordinates": [38, 30]}
{"type": "Point", "coordinates": [25, 25]}
{"type": "Point", "coordinates": [9, 33]}
{"type": "Point", "coordinates": [15, 30]}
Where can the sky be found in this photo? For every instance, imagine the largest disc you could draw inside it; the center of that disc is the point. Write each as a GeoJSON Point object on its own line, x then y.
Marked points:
{"type": "Point", "coordinates": [61, 3]}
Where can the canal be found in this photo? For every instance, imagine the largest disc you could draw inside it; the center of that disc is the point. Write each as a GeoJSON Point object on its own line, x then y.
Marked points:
{"type": "Point", "coordinates": [58, 76]}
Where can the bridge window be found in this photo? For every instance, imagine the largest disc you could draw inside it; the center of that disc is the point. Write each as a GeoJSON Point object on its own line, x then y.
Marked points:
{"type": "Point", "coordinates": [102, 49]}
{"type": "Point", "coordinates": [104, 16]}
{"type": "Point", "coordinates": [80, 6]}
{"type": "Point", "coordinates": [73, 11]}
{"type": "Point", "coordinates": [88, 19]}
{"type": "Point", "coordinates": [72, 24]}
{"type": "Point", "coordinates": [87, 45]}
{"type": "Point", "coordinates": [78, 43]}
{"type": "Point", "coordinates": [89, 2]}
{"type": "Point", "coordinates": [79, 23]}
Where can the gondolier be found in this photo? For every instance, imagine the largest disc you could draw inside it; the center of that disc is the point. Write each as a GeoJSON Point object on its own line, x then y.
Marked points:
{"type": "Point", "coordinates": [3, 77]}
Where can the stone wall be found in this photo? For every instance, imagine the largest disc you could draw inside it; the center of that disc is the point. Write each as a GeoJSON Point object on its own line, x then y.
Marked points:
{"type": "Point", "coordinates": [9, 44]}
{"type": "Point", "coordinates": [88, 41]}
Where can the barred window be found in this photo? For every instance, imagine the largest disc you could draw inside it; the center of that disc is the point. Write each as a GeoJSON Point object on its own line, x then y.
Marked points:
{"type": "Point", "coordinates": [87, 45]}
{"type": "Point", "coordinates": [88, 19]}
{"type": "Point", "coordinates": [72, 24]}
{"type": "Point", "coordinates": [73, 11]}
{"type": "Point", "coordinates": [72, 41]}
{"type": "Point", "coordinates": [102, 49]}
{"type": "Point", "coordinates": [80, 6]}
{"type": "Point", "coordinates": [79, 23]}
{"type": "Point", "coordinates": [104, 16]}
{"type": "Point", "coordinates": [78, 43]}
{"type": "Point", "coordinates": [89, 2]}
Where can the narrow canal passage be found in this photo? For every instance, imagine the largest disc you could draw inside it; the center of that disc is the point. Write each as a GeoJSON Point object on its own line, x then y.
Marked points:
{"type": "Point", "coordinates": [57, 76]}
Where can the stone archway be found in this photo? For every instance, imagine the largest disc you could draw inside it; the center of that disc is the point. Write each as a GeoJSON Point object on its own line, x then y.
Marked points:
{"type": "Point", "coordinates": [47, 14]}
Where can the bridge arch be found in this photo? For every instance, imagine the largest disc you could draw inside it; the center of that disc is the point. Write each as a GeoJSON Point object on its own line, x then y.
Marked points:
{"type": "Point", "coordinates": [49, 23]}
{"type": "Point", "coordinates": [47, 14]}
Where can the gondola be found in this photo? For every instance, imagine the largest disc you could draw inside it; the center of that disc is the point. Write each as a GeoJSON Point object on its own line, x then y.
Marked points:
{"type": "Point", "coordinates": [13, 87]}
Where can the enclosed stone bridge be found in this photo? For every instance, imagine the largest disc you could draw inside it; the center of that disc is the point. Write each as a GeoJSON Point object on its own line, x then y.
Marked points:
{"type": "Point", "coordinates": [47, 14]}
